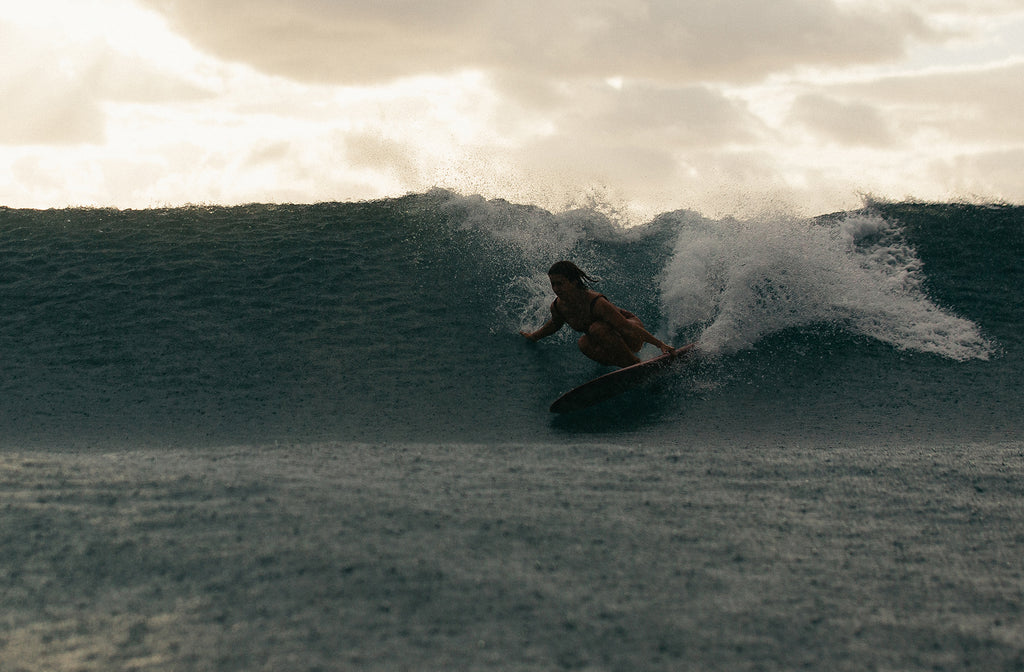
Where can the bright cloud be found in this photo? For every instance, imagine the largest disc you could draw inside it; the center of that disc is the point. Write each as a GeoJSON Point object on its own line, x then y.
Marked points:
{"type": "Point", "coordinates": [723, 107]}
{"type": "Point", "coordinates": [346, 41]}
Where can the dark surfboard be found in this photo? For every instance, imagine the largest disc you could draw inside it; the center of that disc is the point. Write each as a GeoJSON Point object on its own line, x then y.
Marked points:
{"type": "Point", "coordinates": [615, 383]}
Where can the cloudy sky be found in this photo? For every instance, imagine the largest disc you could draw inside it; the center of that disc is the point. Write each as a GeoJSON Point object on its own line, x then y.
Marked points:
{"type": "Point", "coordinates": [724, 106]}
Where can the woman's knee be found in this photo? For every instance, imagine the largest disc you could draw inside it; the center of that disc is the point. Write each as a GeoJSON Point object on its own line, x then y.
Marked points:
{"type": "Point", "coordinates": [600, 330]}
{"type": "Point", "coordinates": [594, 341]}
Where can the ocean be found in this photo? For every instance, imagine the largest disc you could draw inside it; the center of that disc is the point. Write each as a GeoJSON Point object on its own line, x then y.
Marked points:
{"type": "Point", "coordinates": [397, 320]}
{"type": "Point", "coordinates": [310, 437]}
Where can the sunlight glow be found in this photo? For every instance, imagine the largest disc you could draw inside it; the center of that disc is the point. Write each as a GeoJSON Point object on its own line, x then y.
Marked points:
{"type": "Point", "coordinates": [107, 105]}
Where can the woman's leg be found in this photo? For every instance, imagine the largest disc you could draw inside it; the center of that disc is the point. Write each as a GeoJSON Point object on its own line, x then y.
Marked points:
{"type": "Point", "coordinates": [603, 344]}
{"type": "Point", "coordinates": [634, 341]}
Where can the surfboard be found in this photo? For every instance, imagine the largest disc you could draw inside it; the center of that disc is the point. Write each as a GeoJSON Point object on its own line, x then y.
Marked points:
{"type": "Point", "coordinates": [615, 383]}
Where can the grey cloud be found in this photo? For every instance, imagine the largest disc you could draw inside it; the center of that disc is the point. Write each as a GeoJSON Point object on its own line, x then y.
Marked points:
{"type": "Point", "coordinates": [982, 103]}
{"type": "Point", "coordinates": [646, 118]}
{"type": "Point", "coordinates": [1001, 82]}
{"type": "Point", "coordinates": [268, 153]}
{"type": "Point", "coordinates": [637, 138]}
{"type": "Point", "coordinates": [848, 123]}
{"type": "Point", "coordinates": [350, 41]}
{"type": "Point", "coordinates": [694, 116]}
{"type": "Point", "coordinates": [994, 174]}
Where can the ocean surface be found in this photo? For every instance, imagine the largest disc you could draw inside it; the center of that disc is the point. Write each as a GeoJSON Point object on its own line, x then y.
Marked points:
{"type": "Point", "coordinates": [396, 321]}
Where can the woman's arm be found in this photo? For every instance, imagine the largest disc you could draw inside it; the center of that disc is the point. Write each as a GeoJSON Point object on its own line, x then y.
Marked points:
{"type": "Point", "coordinates": [549, 328]}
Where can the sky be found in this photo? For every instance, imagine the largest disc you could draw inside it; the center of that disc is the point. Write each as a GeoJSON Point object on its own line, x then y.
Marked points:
{"type": "Point", "coordinates": [728, 107]}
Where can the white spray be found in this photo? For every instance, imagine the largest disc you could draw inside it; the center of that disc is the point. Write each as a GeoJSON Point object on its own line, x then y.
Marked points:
{"type": "Point", "coordinates": [743, 280]}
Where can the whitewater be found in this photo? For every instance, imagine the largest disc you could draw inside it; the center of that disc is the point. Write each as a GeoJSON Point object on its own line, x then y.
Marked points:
{"type": "Point", "coordinates": [310, 437]}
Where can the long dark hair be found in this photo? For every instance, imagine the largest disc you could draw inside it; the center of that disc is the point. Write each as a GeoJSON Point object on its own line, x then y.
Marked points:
{"type": "Point", "coordinates": [569, 270]}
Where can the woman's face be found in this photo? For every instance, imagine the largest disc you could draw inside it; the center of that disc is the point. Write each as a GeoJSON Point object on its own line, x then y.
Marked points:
{"type": "Point", "coordinates": [561, 285]}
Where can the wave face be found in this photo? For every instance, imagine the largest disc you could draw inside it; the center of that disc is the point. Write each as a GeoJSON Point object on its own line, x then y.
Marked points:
{"type": "Point", "coordinates": [397, 321]}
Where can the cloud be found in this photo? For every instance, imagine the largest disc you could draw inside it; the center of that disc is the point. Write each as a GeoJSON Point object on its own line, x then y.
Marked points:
{"type": "Point", "coordinates": [984, 175]}
{"type": "Point", "coordinates": [54, 95]}
{"type": "Point", "coordinates": [662, 103]}
{"type": "Point", "coordinates": [353, 41]}
{"type": "Point", "coordinates": [112, 77]}
{"type": "Point", "coordinates": [43, 102]}
{"type": "Point", "coordinates": [372, 151]}
{"type": "Point", "coordinates": [686, 116]}
{"type": "Point", "coordinates": [970, 104]}
{"type": "Point", "coordinates": [48, 110]}
{"type": "Point", "coordinates": [988, 84]}
{"type": "Point", "coordinates": [849, 123]}
{"type": "Point", "coordinates": [634, 133]}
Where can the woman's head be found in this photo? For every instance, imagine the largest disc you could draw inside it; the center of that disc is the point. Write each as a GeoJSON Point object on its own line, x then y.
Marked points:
{"type": "Point", "coordinates": [570, 272]}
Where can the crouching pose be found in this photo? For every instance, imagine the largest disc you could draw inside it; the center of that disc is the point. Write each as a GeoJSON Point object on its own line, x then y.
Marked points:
{"type": "Point", "coordinates": [611, 335]}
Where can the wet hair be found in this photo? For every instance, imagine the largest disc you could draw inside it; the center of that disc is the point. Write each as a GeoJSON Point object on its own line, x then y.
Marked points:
{"type": "Point", "coordinates": [569, 270]}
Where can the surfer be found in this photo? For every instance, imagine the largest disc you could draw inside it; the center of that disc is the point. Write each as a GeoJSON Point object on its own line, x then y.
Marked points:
{"type": "Point", "coordinates": [611, 335]}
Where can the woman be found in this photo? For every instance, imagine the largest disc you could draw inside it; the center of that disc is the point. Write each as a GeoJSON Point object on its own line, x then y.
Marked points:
{"type": "Point", "coordinates": [611, 335]}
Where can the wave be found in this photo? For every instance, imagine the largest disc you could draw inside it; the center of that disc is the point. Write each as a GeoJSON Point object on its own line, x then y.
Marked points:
{"type": "Point", "coordinates": [730, 283]}
{"type": "Point", "coordinates": [399, 318]}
